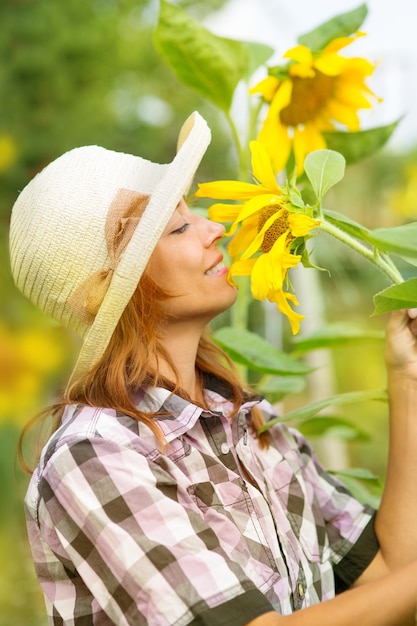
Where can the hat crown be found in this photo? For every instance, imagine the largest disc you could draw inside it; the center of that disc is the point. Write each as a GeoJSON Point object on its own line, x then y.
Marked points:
{"type": "Point", "coordinates": [59, 225]}
{"type": "Point", "coordinates": [57, 230]}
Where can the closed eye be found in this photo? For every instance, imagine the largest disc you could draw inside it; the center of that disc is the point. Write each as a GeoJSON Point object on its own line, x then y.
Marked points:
{"type": "Point", "coordinates": [181, 229]}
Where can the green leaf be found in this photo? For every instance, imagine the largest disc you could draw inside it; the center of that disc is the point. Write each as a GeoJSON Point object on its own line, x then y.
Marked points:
{"type": "Point", "coordinates": [361, 489]}
{"type": "Point", "coordinates": [279, 71]}
{"type": "Point", "coordinates": [324, 169]}
{"type": "Point", "coordinates": [347, 225]}
{"type": "Point", "coordinates": [277, 387]}
{"type": "Point", "coordinates": [409, 260]}
{"type": "Point", "coordinates": [258, 54]}
{"type": "Point", "coordinates": [307, 263]}
{"type": "Point", "coordinates": [335, 335]}
{"type": "Point", "coordinates": [330, 426]}
{"type": "Point", "coordinates": [402, 296]}
{"type": "Point", "coordinates": [254, 352]}
{"type": "Point", "coordinates": [309, 411]}
{"type": "Point", "coordinates": [211, 65]}
{"type": "Point", "coordinates": [361, 473]}
{"type": "Point", "coordinates": [357, 145]}
{"type": "Point", "coordinates": [399, 240]}
{"type": "Point", "coordinates": [341, 25]}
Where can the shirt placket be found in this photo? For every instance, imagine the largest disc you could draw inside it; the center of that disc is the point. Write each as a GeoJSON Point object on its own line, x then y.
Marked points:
{"type": "Point", "coordinates": [284, 547]}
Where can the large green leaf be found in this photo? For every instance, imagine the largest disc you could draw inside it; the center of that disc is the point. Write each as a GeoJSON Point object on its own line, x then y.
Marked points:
{"type": "Point", "coordinates": [361, 473]}
{"type": "Point", "coordinates": [277, 387]}
{"type": "Point", "coordinates": [330, 426]}
{"type": "Point", "coordinates": [346, 224]}
{"type": "Point", "coordinates": [341, 25]}
{"type": "Point", "coordinates": [251, 350]}
{"type": "Point", "coordinates": [358, 145]}
{"type": "Point", "coordinates": [367, 490]}
{"type": "Point", "coordinates": [399, 240]}
{"type": "Point", "coordinates": [324, 168]}
{"type": "Point", "coordinates": [335, 335]}
{"type": "Point", "coordinates": [258, 54]}
{"type": "Point", "coordinates": [210, 64]}
{"type": "Point", "coordinates": [310, 410]}
{"type": "Point", "coordinates": [402, 296]}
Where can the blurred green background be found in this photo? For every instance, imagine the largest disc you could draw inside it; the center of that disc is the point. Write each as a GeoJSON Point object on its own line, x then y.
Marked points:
{"type": "Point", "coordinates": [85, 72]}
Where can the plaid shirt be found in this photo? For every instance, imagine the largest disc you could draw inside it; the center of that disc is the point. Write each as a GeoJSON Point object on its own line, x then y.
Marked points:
{"type": "Point", "coordinates": [214, 531]}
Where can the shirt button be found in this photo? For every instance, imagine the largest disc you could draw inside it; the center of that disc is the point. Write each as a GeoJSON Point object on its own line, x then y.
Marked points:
{"type": "Point", "coordinates": [300, 590]}
{"type": "Point", "coordinates": [224, 448]}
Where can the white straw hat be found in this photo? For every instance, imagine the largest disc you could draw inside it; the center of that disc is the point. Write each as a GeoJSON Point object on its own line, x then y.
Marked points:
{"type": "Point", "coordinates": [83, 230]}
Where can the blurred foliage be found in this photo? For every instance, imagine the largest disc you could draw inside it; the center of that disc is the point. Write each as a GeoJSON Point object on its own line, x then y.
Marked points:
{"type": "Point", "coordinates": [73, 73]}
{"type": "Point", "coordinates": [86, 71]}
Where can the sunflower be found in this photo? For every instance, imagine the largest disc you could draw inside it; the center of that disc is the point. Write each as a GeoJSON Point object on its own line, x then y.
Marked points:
{"type": "Point", "coordinates": [315, 93]}
{"type": "Point", "coordinates": [267, 229]}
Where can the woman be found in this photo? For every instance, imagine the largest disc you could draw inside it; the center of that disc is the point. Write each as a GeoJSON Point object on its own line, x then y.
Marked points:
{"type": "Point", "coordinates": [154, 501]}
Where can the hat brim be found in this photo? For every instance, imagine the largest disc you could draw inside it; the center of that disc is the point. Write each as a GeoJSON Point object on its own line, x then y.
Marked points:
{"type": "Point", "coordinates": [193, 141]}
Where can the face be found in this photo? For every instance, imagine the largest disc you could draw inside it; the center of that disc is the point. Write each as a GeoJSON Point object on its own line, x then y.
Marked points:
{"type": "Point", "coordinates": [188, 264]}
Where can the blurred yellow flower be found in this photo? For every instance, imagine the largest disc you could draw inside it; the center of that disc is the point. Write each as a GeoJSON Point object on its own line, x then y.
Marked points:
{"type": "Point", "coordinates": [403, 199]}
{"type": "Point", "coordinates": [8, 152]}
{"type": "Point", "coordinates": [27, 359]}
{"type": "Point", "coordinates": [317, 92]}
{"type": "Point", "coordinates": [267, 229]}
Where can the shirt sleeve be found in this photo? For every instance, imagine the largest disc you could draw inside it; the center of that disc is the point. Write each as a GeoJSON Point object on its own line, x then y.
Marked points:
{"type": "Point", "coordinates": [348, 523]}
{"type": "Point", "coordinates": [140, 546]}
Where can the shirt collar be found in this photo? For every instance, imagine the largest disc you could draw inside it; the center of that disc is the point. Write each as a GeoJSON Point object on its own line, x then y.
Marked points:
{"type": "Point", "coordinates": [177, 415]}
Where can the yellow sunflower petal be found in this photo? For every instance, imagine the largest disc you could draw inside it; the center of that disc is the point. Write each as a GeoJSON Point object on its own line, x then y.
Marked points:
{"type": "Point", "coordinates": [262, 167]}
{"type": "Point", "coordinates": [276, 263]}
{"type": "Point", "coordinates": [224, 212]}
{"type": "Point", "coordinates": [351, 97]}
{"type": "Point", "coordinates": [228, 190]}
{"type": "Point", "coordinates": [300, 54]}
{"type": "Point", "coordinates": [281, 300]}
{"type": "Point", "coordinates": [273, 134]}
{"type": "Point", "coordinates": [306, 140]}
{"type": "Point", "coordinates": [250, 208]}
{"type": "Point", "coordinates": [266, 87]}
{"type": "Point", "coordinates": [279, 257]}
{"type": "Point", "coordinates": [342, 42]}
{"type": "Point", "coordinates": [260, 285]}
{"type": "Point", "coordinates": [301, 225]}
{"type": "Point", "coordinates": [242, 268]}
{"type": "Point", "coordinates": [343, 114]}
{"type": "Point", "coordinates": [257, 241]}
{"type": "Point", "coordinates": [362, 66]}
{"type": "Point", "coordinates": [257, 203]}
{"type": "Point", "coordinates": [243, 238]}
{"type": "Point", "coordinates": [331, 64]}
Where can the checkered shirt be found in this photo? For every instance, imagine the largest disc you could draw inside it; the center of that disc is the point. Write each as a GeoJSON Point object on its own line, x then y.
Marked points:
{"type": "Point", "coordinates": [212, 532]}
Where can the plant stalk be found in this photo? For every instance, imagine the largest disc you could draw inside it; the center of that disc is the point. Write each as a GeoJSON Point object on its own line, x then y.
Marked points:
{"type": "Point", "coordinates": [384, 266]}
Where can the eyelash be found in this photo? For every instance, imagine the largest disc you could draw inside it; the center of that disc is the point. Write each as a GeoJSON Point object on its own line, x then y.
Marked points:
{"type": "Point", "coordinates": [181, 229]}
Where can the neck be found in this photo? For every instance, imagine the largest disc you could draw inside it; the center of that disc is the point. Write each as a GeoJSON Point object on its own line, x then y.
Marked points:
{"type": "Point", "coordinates": [181, 344]}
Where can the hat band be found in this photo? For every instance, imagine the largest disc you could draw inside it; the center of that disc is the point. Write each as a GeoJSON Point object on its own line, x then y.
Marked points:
{"type": "Point", "coordinates": [123, 217]}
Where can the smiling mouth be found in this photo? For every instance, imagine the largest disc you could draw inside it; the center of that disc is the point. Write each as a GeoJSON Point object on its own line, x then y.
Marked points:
{"type": "Point", "coordinates": [214, 270]}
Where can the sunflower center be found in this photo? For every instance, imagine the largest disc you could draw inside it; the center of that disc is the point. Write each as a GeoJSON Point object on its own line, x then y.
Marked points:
{"type": "Point", "coordinates": [277, 228]}
{"type": "Point", "coordinates": [309, 96]}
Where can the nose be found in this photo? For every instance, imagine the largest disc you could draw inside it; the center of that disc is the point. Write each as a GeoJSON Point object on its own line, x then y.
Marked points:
{"type": "Point", "coordinates": [213, 231]}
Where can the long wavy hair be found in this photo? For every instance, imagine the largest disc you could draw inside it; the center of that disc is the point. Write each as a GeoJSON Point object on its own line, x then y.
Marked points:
{"type": "Point", "coordinates": [128, 364]}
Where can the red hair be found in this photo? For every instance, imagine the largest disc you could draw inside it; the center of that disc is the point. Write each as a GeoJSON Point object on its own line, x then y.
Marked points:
{"type": "Point", "coordinates": [127, 365]}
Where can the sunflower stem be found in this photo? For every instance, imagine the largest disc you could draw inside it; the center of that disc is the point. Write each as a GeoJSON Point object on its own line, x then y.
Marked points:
{"type": "Point", "coordinates": [240, 317]}
{"type": "Point", "coordinates": [253, 120]}
{"type": "Point", "coordinates": [385, 266]}
{"type": "Point", "coordinates": [241, 153]}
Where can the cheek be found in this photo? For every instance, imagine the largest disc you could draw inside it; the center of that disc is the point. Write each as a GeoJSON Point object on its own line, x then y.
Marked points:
{"type": "Point", "coordinates": [159, 273]}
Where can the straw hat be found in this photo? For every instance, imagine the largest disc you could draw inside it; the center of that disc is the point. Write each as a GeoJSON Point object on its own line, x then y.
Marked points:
{"type": "Point", "coordinates": [83, 230]}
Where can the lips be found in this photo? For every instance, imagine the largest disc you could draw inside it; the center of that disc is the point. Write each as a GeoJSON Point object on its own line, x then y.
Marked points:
{"type": "Point", "coordinates": [219, 267]}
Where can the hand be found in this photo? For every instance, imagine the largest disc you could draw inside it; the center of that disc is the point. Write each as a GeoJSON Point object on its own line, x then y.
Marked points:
{"type": "Point", "coordinates": [401, 343]}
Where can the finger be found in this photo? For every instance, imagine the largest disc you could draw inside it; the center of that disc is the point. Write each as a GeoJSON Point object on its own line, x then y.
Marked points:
{"type": "Point", "coordinates": [412, 313]}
